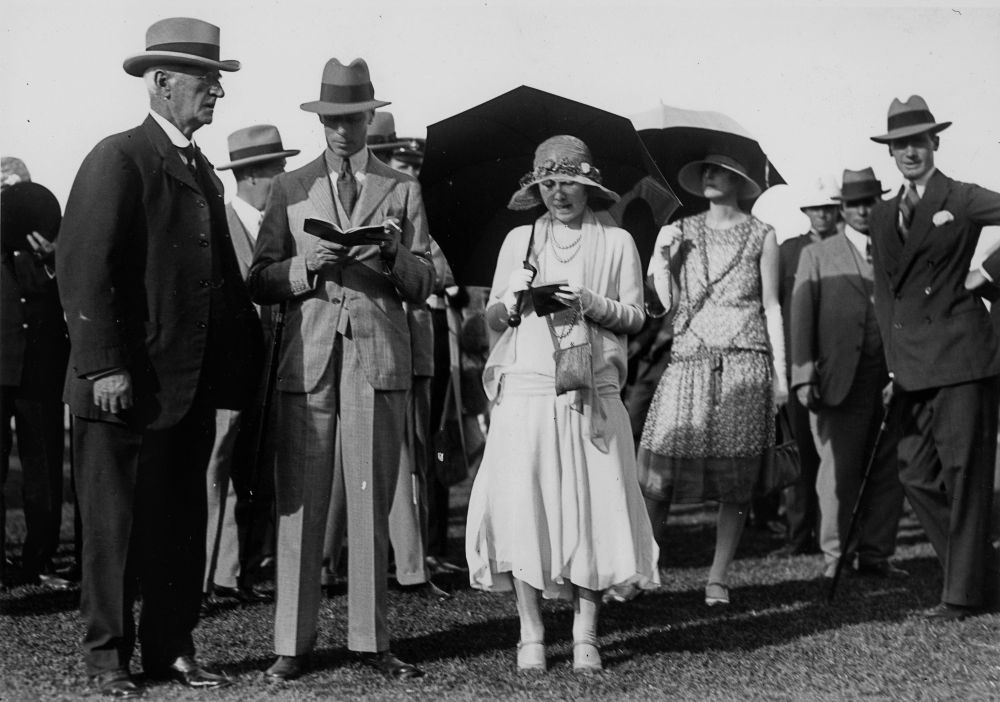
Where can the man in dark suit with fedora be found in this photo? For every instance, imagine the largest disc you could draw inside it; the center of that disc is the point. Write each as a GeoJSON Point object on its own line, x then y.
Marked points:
{"type": "Point", "coordinates": [839, 373]}
{"type": "Point", "coordinates": [240, 502]}
{"type": "Point", "coordinates": [942, 351]}
{"type": "Point", "coordinates": [163, 333]}
{"type": "Point", "coordinates": [345, 367]}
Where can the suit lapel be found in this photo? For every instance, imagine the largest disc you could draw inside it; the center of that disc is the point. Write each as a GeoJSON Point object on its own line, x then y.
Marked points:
{"type": "Point", "coordinates": [315, 183]}
{"type": "Point", "coordinates": [922, 226]}
{"type": "Point", "coordinates": [171, 155]}
{"type": "Point", "coordinates": [241, 238]}
{"type": "Point", "coordinates": [377, 185]}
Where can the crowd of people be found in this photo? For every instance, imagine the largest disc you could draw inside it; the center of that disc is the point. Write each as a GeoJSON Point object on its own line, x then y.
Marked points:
{"type": "Point", "coordinates": [252, 384]}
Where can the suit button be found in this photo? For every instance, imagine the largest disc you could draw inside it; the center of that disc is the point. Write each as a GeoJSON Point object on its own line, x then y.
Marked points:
{"type": "Point", "coordinates": [203, 243]}
{"type": "Point", "coordinates": [202, 325]}
{"type": "Point", "coordinates": [335, 300]}
{"type": "Point", "coordinates": [201, 203]}
{"type": "Point", "coordinates": [23, 299]}
{"type": "Point", "coordinates": [204, 283]}
{"type": "Point", "coordinates": [24, 326]}
{"type": "Point", "coordinates": [927, 290]}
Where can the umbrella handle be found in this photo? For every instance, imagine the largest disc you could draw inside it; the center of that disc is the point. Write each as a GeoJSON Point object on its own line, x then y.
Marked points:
{"type": "Point", "coordinates": [515, 314]}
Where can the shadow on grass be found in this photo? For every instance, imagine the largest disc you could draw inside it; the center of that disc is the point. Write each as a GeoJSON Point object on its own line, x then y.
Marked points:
{"type": "Point", "coordinates": [32, 601]}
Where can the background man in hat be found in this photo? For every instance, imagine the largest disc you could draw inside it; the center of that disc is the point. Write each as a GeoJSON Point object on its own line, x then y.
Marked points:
{"type": "Point", "coordinates": [34, 348]}
{"type": "Point", "coordinates": [408, 516]}
{"type": "Point", "coordinates": [839, 373]}
{"type": "Point", "coordinates": [163, 333]}
{"type": "Point", "coordinates": [345, 366]}
{"type": "Point", "coordinates": [239, 519]}
{"type": "Point", "coordinates": [801, 501]}
{"type": "Point", "coordinates": [942, 351]}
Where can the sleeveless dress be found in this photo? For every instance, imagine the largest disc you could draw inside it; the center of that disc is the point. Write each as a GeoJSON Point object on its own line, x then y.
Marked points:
{"type": "Point", "coordinates": [554, 504]}
{"type": "Point", "coordinates": [711, 418]}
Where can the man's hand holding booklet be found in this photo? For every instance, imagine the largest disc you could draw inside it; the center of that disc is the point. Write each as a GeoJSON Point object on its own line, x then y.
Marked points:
{"type": "Point", "coordinates": [373, 234]}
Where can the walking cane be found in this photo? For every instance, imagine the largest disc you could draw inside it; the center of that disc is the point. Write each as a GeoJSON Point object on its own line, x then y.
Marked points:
{"type": "Point", "coordinates": [846, 543]}
{"type": "Point", "coordinates": [265, 403]}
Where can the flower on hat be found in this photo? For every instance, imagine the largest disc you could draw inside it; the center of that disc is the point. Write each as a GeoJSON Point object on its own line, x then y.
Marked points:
{"type": "Point", "coordinates": [942, 217]}
{"type": "Point", "coordinates": [563, 167]}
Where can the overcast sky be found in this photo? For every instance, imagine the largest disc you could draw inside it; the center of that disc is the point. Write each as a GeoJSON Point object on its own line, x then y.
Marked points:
{"type": "Point", "coordinates": [811, 80]}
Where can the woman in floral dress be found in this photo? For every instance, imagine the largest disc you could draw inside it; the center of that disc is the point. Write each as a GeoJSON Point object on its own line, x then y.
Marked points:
{"type": "Point", "coordinates": [712, 416]}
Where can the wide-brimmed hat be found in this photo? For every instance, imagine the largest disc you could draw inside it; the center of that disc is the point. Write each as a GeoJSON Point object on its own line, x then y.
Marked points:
{"type": "Point", "coordinates": [560, 157]}
{"type": "Point", "coordinates": [255, 144]}
{"type": "Point", "coordinates": [823, 192]}
{"type": "Point", "coordinates": [909, 118]}
{"type": "Point", "coordinates": [409, 151]}
{"type": "Point", "coordinates": [860, 185]}
{"type": "Point", "coordinates": [345, 90]}
{"type": "Point", "coordinates": [180, 40]}
{"type": "Point", "coordinates": [689, 177]}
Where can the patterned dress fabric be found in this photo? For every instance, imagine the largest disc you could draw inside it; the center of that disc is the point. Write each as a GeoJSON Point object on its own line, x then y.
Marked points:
{"type": "Point", "coordinates": [711, 418]}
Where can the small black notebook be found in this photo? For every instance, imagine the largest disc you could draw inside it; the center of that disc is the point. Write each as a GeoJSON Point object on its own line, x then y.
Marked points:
{"type": "Point", "coordinates": [544, 300]}
{"type": "Point", "coordinates": [359, 236]}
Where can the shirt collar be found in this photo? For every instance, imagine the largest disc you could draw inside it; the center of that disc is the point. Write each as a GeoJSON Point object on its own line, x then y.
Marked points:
{"type": "Point", "coordinates": [248, 214]}
{"type": "Point", "coordinates": [358, 160]}
{"type": "Point", "coordinates": [172, 132]}
{"type": "Point", "coordinates": [858, 239]}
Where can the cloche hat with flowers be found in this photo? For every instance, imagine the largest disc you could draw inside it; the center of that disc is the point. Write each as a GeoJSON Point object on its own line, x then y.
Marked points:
{"type": "Point", "coordinates": [561, 158]}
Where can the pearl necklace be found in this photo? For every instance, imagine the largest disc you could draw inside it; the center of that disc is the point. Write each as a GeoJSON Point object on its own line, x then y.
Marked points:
{"type": "Point", "coordinates": [556, 246]}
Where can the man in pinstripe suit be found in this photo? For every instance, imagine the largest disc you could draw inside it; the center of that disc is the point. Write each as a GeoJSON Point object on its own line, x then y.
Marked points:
{"type": "Point", "coordinates": [344, 369]}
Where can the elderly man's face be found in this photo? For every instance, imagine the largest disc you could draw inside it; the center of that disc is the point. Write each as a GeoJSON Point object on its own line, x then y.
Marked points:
{"type": "Point", "coordinates": [192, 95]}
{"type": "Point", "coordinates": [914, 155]}
{"type": "Point", "coordinates": [823, 219]}
{"type": "Point", "coordinates": [855, 213]}
{"type": "Point", "coordinates": [346, 134]}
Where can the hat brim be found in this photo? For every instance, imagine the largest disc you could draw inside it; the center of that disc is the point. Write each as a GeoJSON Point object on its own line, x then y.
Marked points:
{"type": "Point", "coordinates": [330, 109]}
{"type": "Point", "coordinates": [388, 145]}
{"type": "Point", "coordinates": [260, 158]}
{"type": "Point", "coordinates": [527, 197]}
{"type": "Point", "coordinates": [912, 130]}
{"type": "Point", "coordinates": [689, 178]}
{"type": "Point", "coordinates": [871, 192]}
{"type": "Point", "coordinates": [138, 64]}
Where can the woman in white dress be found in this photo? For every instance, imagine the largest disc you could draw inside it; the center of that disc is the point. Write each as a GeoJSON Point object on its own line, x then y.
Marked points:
{"type": "Point", "coordinates": [556, 509]}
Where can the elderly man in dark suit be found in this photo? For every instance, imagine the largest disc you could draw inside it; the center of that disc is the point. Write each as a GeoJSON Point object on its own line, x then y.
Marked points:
{"type": "Point", "coordinates": [239, 517]}
{"type": "Point", "coordinates": [345, 366]}
{"type": "Point", "coordinates": [163, 333]}
{"type": "Point", "coordinates": [942, 352]}
{"type": "Point", "coordinates": [802, 502]}
{"type": "Point", "coordinates": [839, 373]}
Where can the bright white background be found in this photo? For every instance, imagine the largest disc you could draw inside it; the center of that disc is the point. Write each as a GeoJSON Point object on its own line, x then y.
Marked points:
{"type": "Point", "coordinates": [811, 80]}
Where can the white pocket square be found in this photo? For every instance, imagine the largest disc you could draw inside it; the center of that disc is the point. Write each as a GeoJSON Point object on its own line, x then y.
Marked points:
{"type": "Point", "coordinates": [942, 217]}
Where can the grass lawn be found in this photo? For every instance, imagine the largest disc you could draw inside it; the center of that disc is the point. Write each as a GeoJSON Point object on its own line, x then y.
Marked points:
{"type": "Point", "coordinates": [780, 640]}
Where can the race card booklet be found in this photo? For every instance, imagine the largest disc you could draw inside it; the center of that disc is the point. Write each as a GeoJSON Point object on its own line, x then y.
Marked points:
{"type": "Point", "coordinates": [358, 236]}
{"type": "Point", "coordinates": [544, 300]}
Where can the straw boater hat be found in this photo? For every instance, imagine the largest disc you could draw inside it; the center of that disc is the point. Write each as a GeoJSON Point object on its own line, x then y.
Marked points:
{"type": "Point", "coordinates": [824, 192]}
{"type": "Point", "coordinates": [560, 158]}
{"type": "Point", "coordinates": [909, 118]}
{"type": "Point", "coordinates": [255, 144]}
{"type": "Point", "coordinates": [689, 176]}
{"type": "Point", "coordinates": [180, 40]}
{"type": "Point", "coordinates": [344, 90]}
{"type": "Point", "coordinates": [860, 185]}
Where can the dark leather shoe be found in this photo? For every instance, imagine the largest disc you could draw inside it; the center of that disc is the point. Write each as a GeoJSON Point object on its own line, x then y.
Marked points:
{"type": "Point", "coordinates": [440, 566]}
{"type": "Point", "coordinates": [50, 581]}
{"type": "Point", "coordinates": [116, 683]}
{"type": "Point", "coordinates": [390, 666]}
{"type": "Point", "coordinates": [945, 612]}
{"type": "Point", "coordinates": [883, 569]}
{"type": "Point", "coordinates": [187, 671]}
{"type": "Point", "coordinates": [428, 591]}
{"type": "Point", "coordinates": [242, 594]}
{"type": "Point", "coordinates": [285, 668]}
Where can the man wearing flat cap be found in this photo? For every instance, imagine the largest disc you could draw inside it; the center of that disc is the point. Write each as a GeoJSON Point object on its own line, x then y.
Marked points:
{"type": "Point", "coordinates": [239, 517]}
{"type": "Point", "coordinates": [345, 366]}
{"type": "Point", "coordinates": [802, 502]}
{"type": "Point", "coordinates": [942, 352]}
{"type": "Point", "coordinates": [163, 333]}
{"type": "Point", "coordinates": [839, 373]}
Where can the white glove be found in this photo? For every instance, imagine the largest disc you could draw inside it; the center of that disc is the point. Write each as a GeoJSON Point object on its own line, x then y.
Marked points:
{"type": "Point", "coordinates": [519, 281]}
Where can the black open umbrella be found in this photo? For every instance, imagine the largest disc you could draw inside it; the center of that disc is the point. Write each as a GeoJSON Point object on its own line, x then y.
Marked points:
{"type": "Point", "coordinates": [475, 159]}
{"type": "Point", "coordinates": [676, 137]}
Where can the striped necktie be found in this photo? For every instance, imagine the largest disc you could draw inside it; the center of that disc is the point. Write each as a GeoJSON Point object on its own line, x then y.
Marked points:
{"type": "Point", "coordinates": [347, 187]}
{"type": "Point", "coordinates": [907, 206]}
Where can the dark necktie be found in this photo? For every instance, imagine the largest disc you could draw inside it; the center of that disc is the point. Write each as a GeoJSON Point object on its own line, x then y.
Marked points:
{"type": "Point", "coordinates": [347, 187]}
{"type": "Point", "coordinates": [191, 159]}
{"type": "Point", "coordinates": [907, 206]}
{"type": "Point", "coordinates": [868, 251]}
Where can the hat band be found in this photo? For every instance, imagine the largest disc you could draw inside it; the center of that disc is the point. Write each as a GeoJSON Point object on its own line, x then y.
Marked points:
{"type": "Point", "coordinates": [346, 94]}
{"type": "Point", "coordinates": [910, 119]}
{"type": "Point", "coordinates": [250, 151]}
{"type": "Point", "coordinates": [207, 51]}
